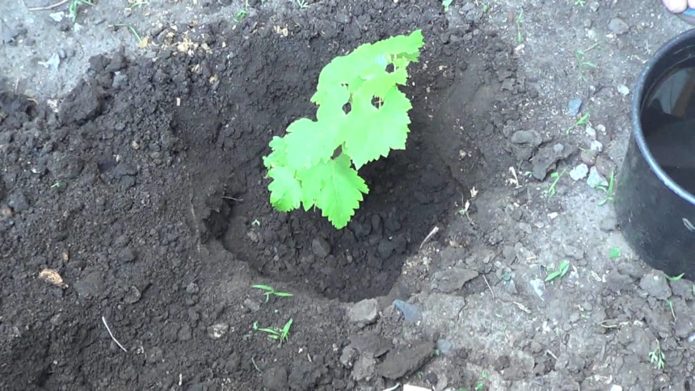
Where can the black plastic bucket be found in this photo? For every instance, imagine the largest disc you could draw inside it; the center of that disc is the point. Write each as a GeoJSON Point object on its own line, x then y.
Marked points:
{"type": "Point", "coordinates": [655, 201]}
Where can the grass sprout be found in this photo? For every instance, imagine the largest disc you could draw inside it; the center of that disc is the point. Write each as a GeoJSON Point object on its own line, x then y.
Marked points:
{"type": "Point", "coordinates": [269, 291]}
{"type": "Point", "coordinates": [559, 272]}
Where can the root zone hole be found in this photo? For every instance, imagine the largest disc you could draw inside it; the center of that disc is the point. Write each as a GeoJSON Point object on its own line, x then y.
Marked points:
{"type": "Point", "coordinates": [410, 192]}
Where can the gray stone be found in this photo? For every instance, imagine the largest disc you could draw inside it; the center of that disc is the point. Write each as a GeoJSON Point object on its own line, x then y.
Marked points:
{"type": "Point", "coordinates": [124, 169]}
{"type": "Point", "coordinates": [579, 172]}
{"type": "Point", "coordinates": [126, 255]}
{"type": "Point", "coordinates": [347, 356]}
{"type": "Point", "coordinates": [363, 312]}
{"type": "Point", "coordinates": [608, 224]}
{"type": "Point", "coordinates": [587, 157]}
{"type": "Point", "coordinates": [618, 26]}
{"type": "Point", "coordinates": [217, 330]}
{"type": "Point", "coordinates": [320, 247]}
{"type": "Point", "coordinates": [410, 312]}
{"type": "Point", "coordinates": [630, 269]}
{"type": "Point", "coordinates": [617, 282]}
{"type": "Point", "coordinates": [538, 287]}
{"type": "Point", "coordinates": [656, 285]}
{"type": "Point", "coordinates": [120, 79]}
{"type": "Point", "coordinates": [275, 379]}
{"type": "Point", "coordinates": [364, 368]}
{"type": "Point", "coordinates": [385, 248]}
{"type": "Point", "coordinates": [605, 165]}
{"type": "Point", "coordinates": [684, 325]}
{"type": "Point", "coordinates": [370, 344]}
{"type": "Point", "coordinates": [133, 295]}
{"type": "Point", "coordinates": [547, 157]}
{"type": "Point", "coordinates": [527, 137]}
{"type": "Point", "coordinates": [252, 305]}
{"type": "Point", "coordinates": [595, 179]}
{"type": "Point", "coordinates": [448, 281]}
{"type": "Point", "coordinates": [682, 288]}
{"type": "Point", "coordinates": [405, 360]}
{"type": "Point", "coordinates": [574, 106]}
{"type": "Point", "coordinates": [596, 146]}
{"type": "Point", "coordinates": [590, 131]}
{"type": "Point", "coordinates": [18, 201]}
{"type": "Point", "coordinates": [65, 166]}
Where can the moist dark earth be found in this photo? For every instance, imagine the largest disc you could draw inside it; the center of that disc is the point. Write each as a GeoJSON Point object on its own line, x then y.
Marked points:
{"type": "Point", "coordinates": [144, 190]}
{"type": "Point", "coordinates": [129, 189]}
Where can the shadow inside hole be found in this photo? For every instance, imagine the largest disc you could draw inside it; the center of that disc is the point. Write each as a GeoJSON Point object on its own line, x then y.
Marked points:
{"type": "Point", "coordinates": [411, 191]}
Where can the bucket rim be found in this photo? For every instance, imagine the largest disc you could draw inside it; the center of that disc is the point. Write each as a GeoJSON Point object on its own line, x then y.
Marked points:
{"type": "Point", "coordinates": [637, 131]}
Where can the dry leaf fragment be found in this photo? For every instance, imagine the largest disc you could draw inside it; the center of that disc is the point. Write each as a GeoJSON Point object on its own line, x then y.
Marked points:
{"type": "Point", "coordinates": [51, 276]}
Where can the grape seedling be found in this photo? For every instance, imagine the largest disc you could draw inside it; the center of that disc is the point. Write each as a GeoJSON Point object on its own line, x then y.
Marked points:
{"type": "Point", "coordinates": [362, 115]}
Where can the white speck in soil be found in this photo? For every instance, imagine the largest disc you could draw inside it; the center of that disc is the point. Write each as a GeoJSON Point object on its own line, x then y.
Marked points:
{"type": "Point", "coordinates": [217, 330]}
{"type": "Point", "coordinates": [623, 89]}
{"type": "Point", "coordinates": [580, 172]}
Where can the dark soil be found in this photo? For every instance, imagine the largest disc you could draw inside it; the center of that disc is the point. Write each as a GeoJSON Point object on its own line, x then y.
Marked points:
{"type": "Point", "coordinates": [145, 191]}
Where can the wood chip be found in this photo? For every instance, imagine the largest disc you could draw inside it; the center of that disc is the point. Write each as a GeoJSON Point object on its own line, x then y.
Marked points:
{"type": "Point", "coordinates": [52, 277]}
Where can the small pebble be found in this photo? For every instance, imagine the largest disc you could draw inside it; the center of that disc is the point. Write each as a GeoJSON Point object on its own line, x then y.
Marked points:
{"type": "Point", "coordinates": [444, 346]}
{"type": "Point", "coordinates": [618, 26]}
{"type": "Point", "coordinates": [580, 172]}
{"type": "Point", "coordinates": [526, 137]}
{"type": "Point", "coordinates": [538, 287]}
{"type": "Point", "coordinates": [587, 157]}
{"type": "Point", "coordinates": [656, 285]}
{"type": "Point", "coordinates": [57, 16]}
{"type": "Point", "coordinates": [192, 288]}
{"type": "Point", "coordinates": [320, 247]}
{"type": "Point", "coordinates": [596, 146]}
{"type": "Point", "coordinates": [409, 311]}
{"type": "Point", "coordinates": [595, 179]}
{"type": "Point", "coordinates": [623, 90]}
{"type": "Point", "coordinates": [590, 131]}
{"type": "Point", "coordinates": [217, 330]}
{"type": "Point", "coordinates": [364, 312]}
{"type": "Point", "coordinates": [574, 106]}
{"type": "Point", "coordinates": [608, 224]}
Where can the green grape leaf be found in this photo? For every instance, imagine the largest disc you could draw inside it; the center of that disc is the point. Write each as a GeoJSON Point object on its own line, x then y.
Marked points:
{"type": "Point", "coordinates": [405, 46]}
{"type": "Point", "coordinates": [331, 102]}
{"type": "Point", "coordinates": [342, 192]}
{"type": "Point", "coordinates": [361, 116]}
{"type": "Point", "coordinates": [285, 190]}
{"type": "Point", "coordinates": [277, 158]}
{"type": "Point", "coordinates": [308, 142]}
{"type": "Point", "coordinates": [374, 132]}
